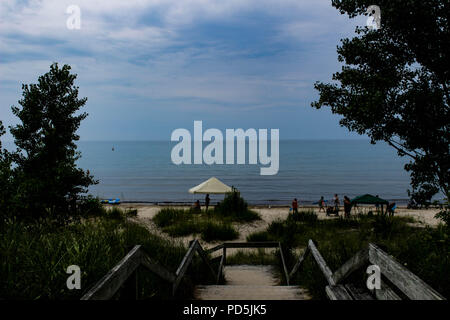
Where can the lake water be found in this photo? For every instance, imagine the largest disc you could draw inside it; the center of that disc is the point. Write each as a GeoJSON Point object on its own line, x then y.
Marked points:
{"type": "Point", "coordinates": [143, 171]}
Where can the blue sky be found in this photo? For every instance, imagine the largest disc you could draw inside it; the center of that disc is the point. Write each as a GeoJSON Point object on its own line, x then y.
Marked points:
{"type": "Point", "coordinates": [149, 67]}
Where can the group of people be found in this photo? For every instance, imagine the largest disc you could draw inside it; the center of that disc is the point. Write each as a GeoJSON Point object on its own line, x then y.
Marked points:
{"type": "Point", "coordinates": [329, 210]}
{"type": "Point", "coordinates": [197, 206]}
{"type": "Point", "coordinates": [334, 209]}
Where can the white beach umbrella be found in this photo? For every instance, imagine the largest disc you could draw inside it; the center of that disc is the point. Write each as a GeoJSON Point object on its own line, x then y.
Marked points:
{"type": "Point", "coordinates": [211, 186]}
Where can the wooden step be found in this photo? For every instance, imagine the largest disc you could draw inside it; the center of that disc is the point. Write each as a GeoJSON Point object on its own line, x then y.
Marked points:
{"type": "Point", "coordinates": [250, 292]}
{"type": "Point", "coordinates": [250, 275]}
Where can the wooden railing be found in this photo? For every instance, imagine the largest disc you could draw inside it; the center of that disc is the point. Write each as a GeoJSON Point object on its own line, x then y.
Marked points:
{"type": "Point", "coordinates": [404, 280]}
{"type": "Point", "coordinates": [125, 271]}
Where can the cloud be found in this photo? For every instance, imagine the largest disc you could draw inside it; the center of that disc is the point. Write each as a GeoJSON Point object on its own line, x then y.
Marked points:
{"type": "Point", "coordinates": [144, 58]}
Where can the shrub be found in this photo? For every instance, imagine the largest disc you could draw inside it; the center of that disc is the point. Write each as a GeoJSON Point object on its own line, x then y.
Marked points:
{"type": "Point", "coordinates": [276, 228]}
{"type": "Point", "coordinates": [308, 216]}
{"type": "Point", "coordinates": [259, 236]}
{"type": "Point", "coordinates": [218, 231]}
{"type": "Point", "coordinates": [236, 208]}
{"type": "Point", "coordinates": [183, 228]}
{"type": "Point", "coordinates": [168, 216]}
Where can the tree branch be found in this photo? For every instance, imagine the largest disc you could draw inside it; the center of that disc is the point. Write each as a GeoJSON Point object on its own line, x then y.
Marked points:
{"type": "Point", "coordinates": [401, 148]}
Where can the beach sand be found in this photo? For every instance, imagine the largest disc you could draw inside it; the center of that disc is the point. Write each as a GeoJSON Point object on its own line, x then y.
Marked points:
{"type": "Point", "coordinates": [422, 217]}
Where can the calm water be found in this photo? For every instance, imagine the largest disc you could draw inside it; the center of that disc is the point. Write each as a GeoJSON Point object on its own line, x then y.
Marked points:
{"type": "Point", "coordinates": [143, 171]}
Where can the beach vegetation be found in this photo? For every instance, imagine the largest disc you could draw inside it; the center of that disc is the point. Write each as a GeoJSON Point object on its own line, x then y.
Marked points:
{"type": "Point", "coordinates": [235, 208]}
{"type": "Point", "coordinates": [423, 250]}
{"type": "Point", "coordinates": [179, 222]}
{"type": "Point", "coordinates": [34, 257]}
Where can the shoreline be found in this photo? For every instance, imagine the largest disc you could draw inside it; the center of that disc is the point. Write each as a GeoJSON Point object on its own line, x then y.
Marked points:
{"type": "Point", "coordinates": [285, 204]}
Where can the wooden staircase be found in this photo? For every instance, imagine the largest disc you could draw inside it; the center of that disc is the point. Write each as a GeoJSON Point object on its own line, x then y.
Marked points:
{"type": "Point", "coordinates": [244, 282]}
{"type": "Point", "coordinates": [257, 282]}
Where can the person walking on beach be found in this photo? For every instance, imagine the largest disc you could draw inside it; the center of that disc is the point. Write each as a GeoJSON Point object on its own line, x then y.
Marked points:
{"type": "Point", "coordinates": [347, 207]}
{"type": "Point", "coordinates": [207, 202]}
{"type": "Point", "coordinates": [321, 204]}
{"type": "Point", "coordinates": [337, 203]}
{"type": "Point", "coordinates": [295, 206]}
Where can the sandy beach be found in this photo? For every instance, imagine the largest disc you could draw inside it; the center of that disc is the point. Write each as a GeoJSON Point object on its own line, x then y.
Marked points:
{"type": "Point", "coordinates": [422, 217]}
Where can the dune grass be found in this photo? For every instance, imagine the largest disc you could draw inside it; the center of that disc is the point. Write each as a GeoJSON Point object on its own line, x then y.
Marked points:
{"type": "Point", "coordinates": [253, 257]}
{"type": "Point", "coordinates": [210, 226]}
{"type": "Point", "coordinates": [423, 250]}
{"type": "Point", "coordinates": [34, 257]}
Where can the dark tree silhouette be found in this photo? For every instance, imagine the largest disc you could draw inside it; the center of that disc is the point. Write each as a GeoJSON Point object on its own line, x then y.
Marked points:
{"type": "Point", "coordinates": [394, 86]}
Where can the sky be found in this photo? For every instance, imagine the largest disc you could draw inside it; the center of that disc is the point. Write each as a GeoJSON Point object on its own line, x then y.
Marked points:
{"type": "Point", "coordinates": [150, 67]}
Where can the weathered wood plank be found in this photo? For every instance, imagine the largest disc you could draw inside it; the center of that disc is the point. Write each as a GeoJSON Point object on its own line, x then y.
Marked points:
{"type": "Point", "coordinates": [184, 265]}
{"type": "Point", "coordinates": [321, 263]}
{"type": "Point", "coordinates": [354, 263]}
{"type": "Point", "coordinates": [358, 293]}
{"type": "Point", "coordinates": [410, 284]}
{"type": "Point", "coordinates": [205, 259]}
{"type": "Point", "coordinates": [337, 293]}
{"type": "Point", "coordinates": [385, 292]}
{"type": "Point", "coordinates": [299, 263]}
{"type": "Point", "coordinates": [157, 268]}
{"type": "Point", "coordinates": [220, 270]}
{"type": "Point", "coordinates": [107, 286]}
{"type": "Point", "coordinates": [284, 264]}
{"type": "Point", "coordinates": [224, 254]}
{"type": "Point", "coordinates": [220, 246]}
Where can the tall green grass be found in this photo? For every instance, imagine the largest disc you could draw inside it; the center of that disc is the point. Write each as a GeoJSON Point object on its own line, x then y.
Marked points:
{"type": "Point", "coordinates": [183, 222]}
{"type": "Point", "coordinates": [424, 251]}
{"type": "Point", "coordinates": [34, 257]}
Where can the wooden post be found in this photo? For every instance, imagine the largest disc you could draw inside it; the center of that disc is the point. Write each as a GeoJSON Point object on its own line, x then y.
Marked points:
{"type": "Point", "coordinates": [224, 253]}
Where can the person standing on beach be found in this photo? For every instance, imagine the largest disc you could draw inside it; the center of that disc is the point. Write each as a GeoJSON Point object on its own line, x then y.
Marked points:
{"type": "Point", "coordinates": [347, 206]}
{"type": "Point", "coordinates": [295, 206]}
{"type": "Point", "coordinates": [207, 202]}
{"type": "Point", "coordinates": [337, 203]}
{"type": "Point", "coordinates": [321, 204]}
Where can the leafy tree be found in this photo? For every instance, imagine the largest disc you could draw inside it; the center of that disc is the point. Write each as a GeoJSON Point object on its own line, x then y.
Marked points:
{"type": "Point", "coordinates": [394, 86]}
{"type": "Point", "coordinates": [49, 181]}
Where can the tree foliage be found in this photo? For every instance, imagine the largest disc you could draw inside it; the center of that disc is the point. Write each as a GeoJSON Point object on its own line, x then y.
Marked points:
{"type": "Point", "coordinates": [46, 179]}
{"type": "Point", "coordinates": [394, 86]}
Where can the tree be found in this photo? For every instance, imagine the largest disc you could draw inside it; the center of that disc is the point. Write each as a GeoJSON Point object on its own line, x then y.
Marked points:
{"type": "Point", "coordinates": [49, 181]}
{"type": "Point", "coordinates": [394, 86]}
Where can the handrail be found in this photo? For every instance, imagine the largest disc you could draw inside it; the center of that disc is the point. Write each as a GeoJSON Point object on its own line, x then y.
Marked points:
{"type": "Point", "coordinates": [286, 275]}
{"type": "Point", "coordinates": [107, 286]}
{"type": "Point", "coordinates": [407, 282]}
{"type": "Point", "coordinates": [187, 259]}
{"type": "Point", "coordinates": [254, 244]}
